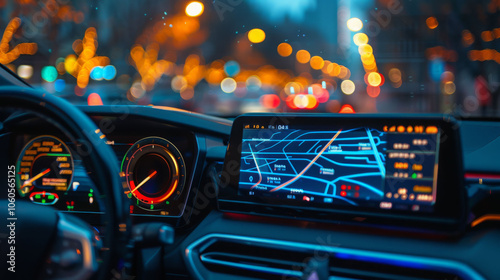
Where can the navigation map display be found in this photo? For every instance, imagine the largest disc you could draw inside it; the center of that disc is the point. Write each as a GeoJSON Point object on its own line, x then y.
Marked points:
{"type": "Point", "coordinates": [387, 167]}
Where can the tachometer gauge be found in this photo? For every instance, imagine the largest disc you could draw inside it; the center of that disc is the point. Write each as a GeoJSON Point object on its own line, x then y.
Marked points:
{"type": "Point", "coordinates": [44, 165]}
{"type": "Point", "coordinates": [155, 173]}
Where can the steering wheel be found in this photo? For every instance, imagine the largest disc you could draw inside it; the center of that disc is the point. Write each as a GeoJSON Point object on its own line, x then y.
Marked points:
{"type": "Point", "coordinates": [43, 235]}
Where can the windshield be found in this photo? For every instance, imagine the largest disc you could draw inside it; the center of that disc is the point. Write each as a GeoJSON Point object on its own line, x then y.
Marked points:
{"type": "Point", "coordinates": [227, 57]}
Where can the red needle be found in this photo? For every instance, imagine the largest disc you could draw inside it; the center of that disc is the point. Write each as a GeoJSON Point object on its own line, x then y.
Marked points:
{"type": "Point", "coordinates": [145, 180]}
{"type": "Point", "coordinates": [28, 182]}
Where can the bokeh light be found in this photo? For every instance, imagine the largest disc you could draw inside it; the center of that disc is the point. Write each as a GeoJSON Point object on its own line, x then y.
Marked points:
{"type": "Point", "coordinates": [374, 79]}
{"type": "Point", "coordinates": [187, 93]}
{"type": "Point", "coordinates": [49, 73]}
{"type": "Point", "coordinates": [232, 68]}
{"type": "Point", "coordinates": [317, 62]}
{"type": "Point", "coordinates": [354, 24]}
{"type": "Point", "coordinates": [360, 39]}
{"type": "Point", "coordinates": [253, 83]}
{"type": "Point", "coordinates": [301, 101]}
{"type": "Point", "coordinates": [59, 85]}
{"type": "Point", "coordinates": [195, 9]}
{"type": "Point", "coordinates": [284, 49]}
{"type": "Point", "coordinates": [25, 71]}
{"type": "Point", "coordinates": [347, 87]}
{"type": "Point", "coordinates": [449, 88]}
{"type": "Point", "coordinates": [109, 72]}
{"type": "Point", "coordinates": [431, 22]}
{"type": "Point", "coordinates": [137, 91]}
{"type": "Point", "coordinates": [179, 83]}
{"type": "Point", "coordinates": [96, 73]}
{"type": "Point", "coordinates": [228, 85]}
{"type": "Point", "coordinates": [395, 75]}
{"type": "Point", "coordinates": [303, 56]}
{"type": "Point", "coordinates": [270, 101]}
{"type": "Point", "coordinates": [373, 91]}
{"type": "Point", "coordinates": [365, 49]}
{"type": "Point", "coordinates": [94, 99]}
{"type": "Point", "coordinates": [347, 109]}
{"type": "Point", "coordinates": [256, 35]}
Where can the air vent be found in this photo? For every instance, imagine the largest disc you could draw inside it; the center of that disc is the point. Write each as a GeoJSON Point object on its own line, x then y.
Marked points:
{"type": "Point", "coordinates": [229, 257]}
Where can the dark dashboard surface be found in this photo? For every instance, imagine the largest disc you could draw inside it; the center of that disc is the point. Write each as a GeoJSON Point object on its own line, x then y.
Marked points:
{"type": "Point", "coordinates": [202, 142]}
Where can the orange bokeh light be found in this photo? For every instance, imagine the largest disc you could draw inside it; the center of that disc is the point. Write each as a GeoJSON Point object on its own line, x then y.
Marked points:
{"type": "Point", "coordinates": [284, 49]}
{"type": "Point", "coordinates": [303, 56]}
{"type": "Point", "coordinates": [431, 22]}
{"type": "Point", "coordinates": [347, 109]}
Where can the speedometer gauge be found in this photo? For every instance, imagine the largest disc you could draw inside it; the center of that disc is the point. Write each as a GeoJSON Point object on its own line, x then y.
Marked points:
{"type": "Point", "coordinates": [44, 165]}
{"type": "Point", "coordinates": [155, 173]}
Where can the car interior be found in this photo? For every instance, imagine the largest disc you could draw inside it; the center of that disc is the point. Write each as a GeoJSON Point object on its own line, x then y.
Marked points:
{"type": "Point", "coordinates": [231, 153]}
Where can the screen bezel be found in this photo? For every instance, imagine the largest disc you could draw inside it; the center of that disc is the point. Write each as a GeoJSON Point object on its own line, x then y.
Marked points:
{"type": "Point", "coordinates": [450, 206]}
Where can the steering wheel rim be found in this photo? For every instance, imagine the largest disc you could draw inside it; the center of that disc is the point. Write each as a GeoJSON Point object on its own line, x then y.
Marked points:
{"type": "Point", "coordinates": [94, 153]}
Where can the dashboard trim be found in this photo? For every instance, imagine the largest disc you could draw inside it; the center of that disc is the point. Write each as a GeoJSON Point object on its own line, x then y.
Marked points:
{"type": "Point", "coordinates": [438, 264]}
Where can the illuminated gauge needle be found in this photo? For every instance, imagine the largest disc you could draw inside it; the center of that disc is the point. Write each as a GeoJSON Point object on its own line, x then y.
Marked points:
{"type": "Point", "coordinates": [28, 182]}
{"type": "Point", "coordinates": [145, 180]}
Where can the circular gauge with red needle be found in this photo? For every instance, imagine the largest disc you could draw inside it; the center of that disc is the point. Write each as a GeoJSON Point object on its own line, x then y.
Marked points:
{"type": "Point", "coordinates": [155, 173]}
{"type": "Point", "coordinates": [44, 167]}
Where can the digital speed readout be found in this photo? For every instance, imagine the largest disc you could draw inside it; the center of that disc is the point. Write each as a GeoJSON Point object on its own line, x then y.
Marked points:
{"type": "Point", "coordinates": [387, 167]}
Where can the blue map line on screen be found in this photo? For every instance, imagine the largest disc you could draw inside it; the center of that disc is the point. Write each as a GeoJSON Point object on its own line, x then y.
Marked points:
{"type": "Point", "coordinates": [319, 147]}
{"type": "Point", "coordinates": [374, 148]}
{"type": "Point", "coordinates": [287, 152]}
{"type": "Point", "coordinates": [308, 151]}
{"type": "Point", "coordinates": [269, 138]}
{"type": "Point", "coordinates": [287, 158]}
{"type": "Point", "coordinates": [361, 158]}
{"type": "Point", "coordinates": [350, 164]}
{"type": "Point", "coordinates": [327, 153]}
{"type": "Point", "coordinates": [346, 178]}
{"type": "Point", "coordinates": [277, 141]}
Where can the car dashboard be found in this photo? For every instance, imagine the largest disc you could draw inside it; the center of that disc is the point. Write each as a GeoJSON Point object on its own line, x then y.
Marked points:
{"type": "Point", "coordinates": [173, 163]}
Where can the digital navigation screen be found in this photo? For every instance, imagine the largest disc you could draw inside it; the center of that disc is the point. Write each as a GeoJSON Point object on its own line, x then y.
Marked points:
{"type": "Point", "coordinates": [386, 167]}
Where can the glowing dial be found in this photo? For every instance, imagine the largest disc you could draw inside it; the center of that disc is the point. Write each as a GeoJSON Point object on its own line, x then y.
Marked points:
{"type": "Point", "coordinates": [45, 164]}
{"type": "Point", "coordinates": [155, 173]}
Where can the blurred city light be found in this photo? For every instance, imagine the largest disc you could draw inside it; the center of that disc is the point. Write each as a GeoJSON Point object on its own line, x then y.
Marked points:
{"type": "Point", "coordinates": [347, 87]}
{"type": "Point", "coordinates": [59, 85]}
{"type": "Point", "coordinates": [7, 56]}
{"type": "Point", "coordinates": [195, 9]}
{"type": "Point", "coordinates": [96, 73]}
{"type": "Point", "coordinates": [431, 22]}
{"type": "Point", "coordinates": [347, 109]}
{"type": "Point", "coordinates": [94, 99]}
{"type": "Point", "coordinates": [284, 49]}
{"type": "Point", "coordinates": [303, 56]}
{"type": "Point", "coordinates": [360, 39]}
{"type": "Point", "coordinates": [256, 35]}
{"type": "Point", "coordinates": [373, 91]}
{"type": "Point", "coordinates": [395, 75]}
{"type": "Point", "coordinates": [317, 62]}
{"type": "Point", "coordinates": [232, 68]}
{"type": "Point", "coordinates": [137, 91]}
{"type": "Point", "coordinates": [109, 72]}
{"type": "Point", "coordinates": [270, 101]}
{"type": "Point", "coordinates": [354, 24]}
{"type": "Point", "coordinates": [179, 83]}
{"type": "Point", "coordinates": [49, 73]}
{"type": "Point", "coordinates": [25, 71]}
{"type": "Point", "coordinates": [253, 83]}
{"type": "Point", "coordinates": [449, 88]}
{"type": "Point", "coordinates": [374, 79]}
{"type": "Point", "coordinates": [228, 85]}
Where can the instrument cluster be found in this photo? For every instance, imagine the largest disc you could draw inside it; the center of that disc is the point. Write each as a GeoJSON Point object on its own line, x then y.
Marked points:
{"type": "Point", "coordinates": [158, 173]}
